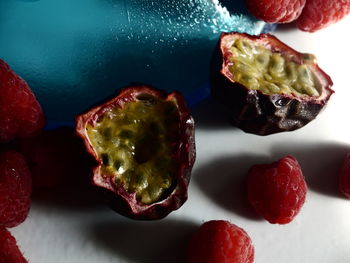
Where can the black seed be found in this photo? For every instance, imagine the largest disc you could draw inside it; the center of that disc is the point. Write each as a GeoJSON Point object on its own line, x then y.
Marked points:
{"type": "Point", "coordinates": [281, 102]}
{"type": "Point", "coordinates": [147, 99]}
{"type": "Point", "coordinates": [126, 134]}
{"type": "Point", "coordinates": [145, 148]}
{"type": "Point", "coordinates": [118, 164]}
{"type": "Point", "coordinates": [154, 128]}
{"type": "Point", "coordinates": [105, 159]}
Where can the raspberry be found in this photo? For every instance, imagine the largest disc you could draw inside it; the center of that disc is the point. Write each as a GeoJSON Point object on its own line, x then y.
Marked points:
{"type": "Point", "coordinates": [9, 251]}
{"type": "Point", "coordinates": [276, 11]}
{"type": "Point", "coordinates": [54, 157]}
{"type": "Point", "coordinates": [15, 189]}
{"type": "Point", "coordinates": [344, 178]}
{"type": "Point", "coordinates": [20, 112]}
{"type": "Point", "coordinates": [319, 14]}
{"type": "Point", "coordinates": [220, 242]}
{"type": "Point", "coordinates": [277, 191]}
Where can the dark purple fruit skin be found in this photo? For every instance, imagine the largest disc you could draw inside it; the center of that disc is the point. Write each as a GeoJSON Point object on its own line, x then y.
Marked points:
{"type": "Point", "coordinates": [117, 197]}
{"type": "Point", "coordinates": [259, 113]}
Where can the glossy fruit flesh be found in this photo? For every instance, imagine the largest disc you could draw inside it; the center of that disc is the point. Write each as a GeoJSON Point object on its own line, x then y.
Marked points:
{"type": "Point", "coordinates": [258, 68]}
{"type": "Point", "coordinates": [135, 144]}
{"type": "Point", "coordinates": [265, 85]}
{"type": "Point", "coordinates": [143, 142]}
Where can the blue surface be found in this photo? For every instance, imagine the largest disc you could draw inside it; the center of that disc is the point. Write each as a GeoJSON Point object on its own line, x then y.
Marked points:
{"type": "Point", "coordinates": [77, 53]}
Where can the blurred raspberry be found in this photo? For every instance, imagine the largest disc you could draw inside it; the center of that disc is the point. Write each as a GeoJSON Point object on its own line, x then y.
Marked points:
{"type": "Point", "coordinates": [319, 14]}
{"type": "Point", "coordinates": [276, 11]}
{"type": "Point", "coordinates": [20, 112]}
{"type": "Point", "coordinates": [344, 179]}
{"type": "Point", "coordinates": [9, 251]}
{"type": "Point", "coordinates": [220, 242]}
{"type": "Point", "coordinates": [277, 191]}
{"type": "Point", "coordinates": [55, 157]}
{"type": "Point", "coordinates": [15, 189]}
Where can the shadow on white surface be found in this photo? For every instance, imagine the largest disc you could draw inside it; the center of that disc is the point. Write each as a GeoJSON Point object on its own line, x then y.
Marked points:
{"type": "Point", "coordinates": [210, 115]}
{"type": "Point", "coordinates": [224, 181]}
{"type": "Point", "coordinates": [144, 242]}
{"type": "Point", "coordinates": [320, 163]}
{"type": "Point", "coordinates": [288, 27]}
{"type": "Point", "coordinates": [75, 197]}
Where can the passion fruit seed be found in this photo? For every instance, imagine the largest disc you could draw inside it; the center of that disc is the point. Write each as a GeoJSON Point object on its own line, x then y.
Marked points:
{"type": "Point", "coordinates": [258, 68]}
{"type": "Point", "coordinates": [135, 144]}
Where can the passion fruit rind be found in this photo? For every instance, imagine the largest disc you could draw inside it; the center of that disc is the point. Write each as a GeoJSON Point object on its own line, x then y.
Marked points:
{"type": "Point", "coordinates": [143, 141]}
{"type": "Point", "coordinates": [266, 86]}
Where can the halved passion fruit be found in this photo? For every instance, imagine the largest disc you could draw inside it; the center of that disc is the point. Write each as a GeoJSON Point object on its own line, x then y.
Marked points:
{"type": "Point", "coordinates": [267, 86]}
{"type": "Point", "coordinates": [143, 141]}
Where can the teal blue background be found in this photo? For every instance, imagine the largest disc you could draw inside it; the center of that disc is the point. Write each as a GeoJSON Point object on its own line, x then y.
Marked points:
{"type": "Point", "coordinates": [77, 53]}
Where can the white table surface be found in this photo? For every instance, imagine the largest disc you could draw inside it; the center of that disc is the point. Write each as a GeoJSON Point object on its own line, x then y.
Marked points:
{"type": "Point", "coordinates": [86, 231]}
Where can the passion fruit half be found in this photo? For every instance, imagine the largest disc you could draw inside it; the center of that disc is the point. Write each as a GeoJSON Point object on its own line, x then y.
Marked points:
{"type": "Point", "coordinates": [266, 86]}
{"type": "Point", "coordinates": [143, 142]}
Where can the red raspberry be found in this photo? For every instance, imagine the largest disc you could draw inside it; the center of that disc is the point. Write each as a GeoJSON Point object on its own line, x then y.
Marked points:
{"type": "Point", "coordinates": [319, 14]}
{"type": "Point", "coordinates": [276, 11]}
{"type": "Point", "coordinates": [15, 189]}
{"type": "Point", "coordinates": [344, 178]}
{"type": "Point", "coordinates": [220, 242]}
{"type": "Point", "coordinates": [54, 157]}
{"type": "Point", "coordinates": [9, 251]}
{"type": "Point", "coordinates": [277, 191]}
{"type": "Point", "coordinates": [20, 112]}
